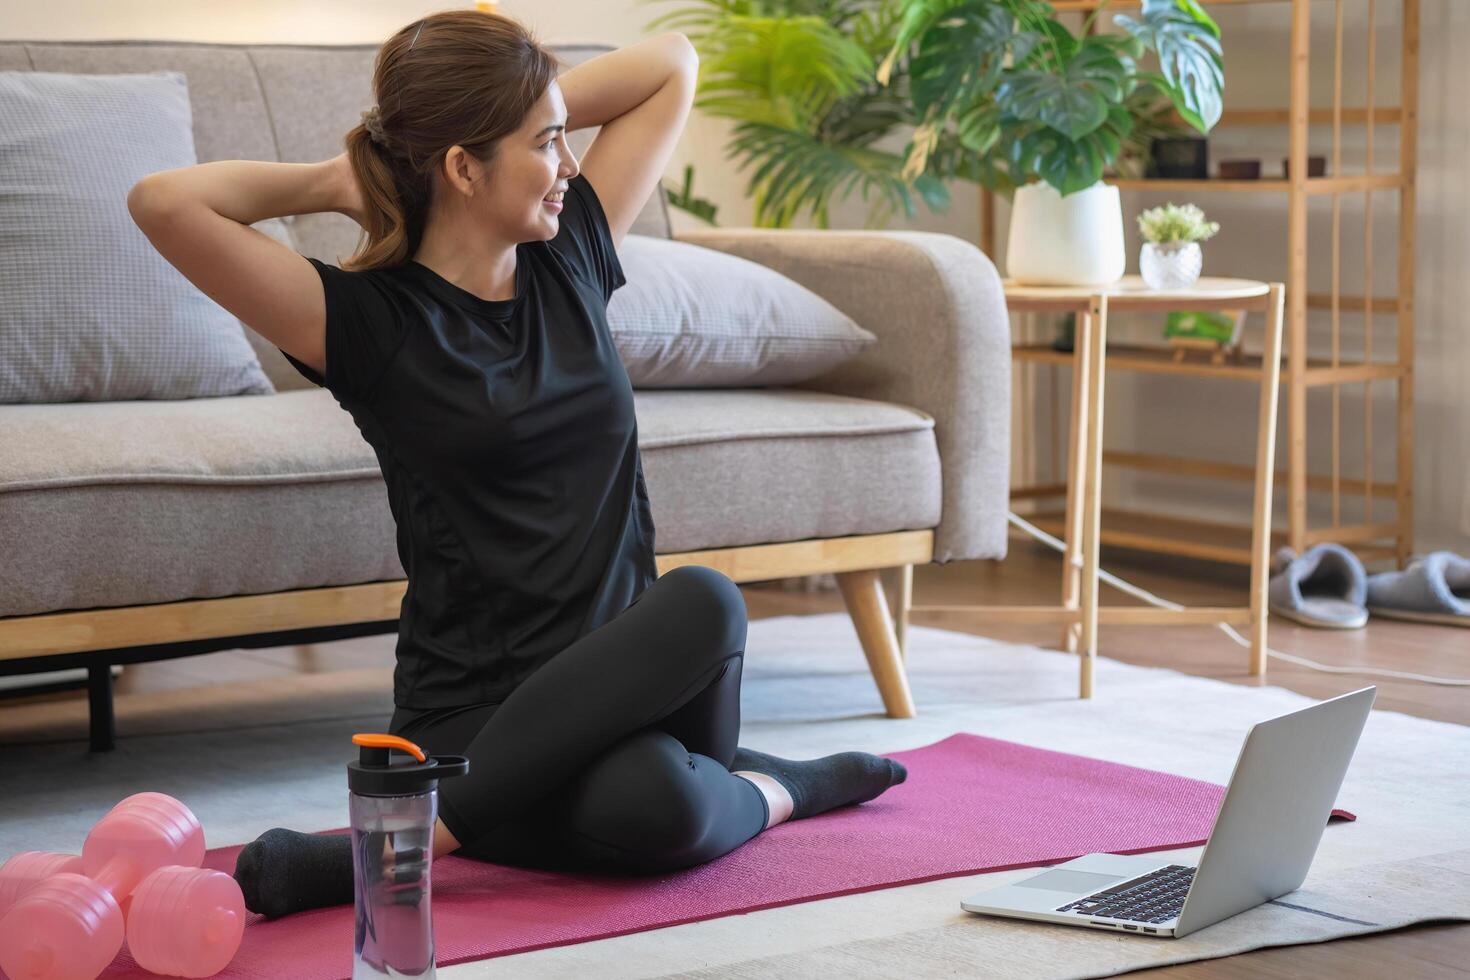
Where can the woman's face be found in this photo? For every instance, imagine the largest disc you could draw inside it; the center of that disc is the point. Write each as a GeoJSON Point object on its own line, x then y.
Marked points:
{"type": "Point", "coordinates": [529, 166]}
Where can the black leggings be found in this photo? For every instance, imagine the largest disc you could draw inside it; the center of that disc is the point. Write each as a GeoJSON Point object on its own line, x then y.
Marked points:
{"type": "Point", "coordinates": [614, 755]}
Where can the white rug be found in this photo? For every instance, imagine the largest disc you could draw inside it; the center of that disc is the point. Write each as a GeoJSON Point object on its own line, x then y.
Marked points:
{"type": "Point", "coordinates": [254, 756]}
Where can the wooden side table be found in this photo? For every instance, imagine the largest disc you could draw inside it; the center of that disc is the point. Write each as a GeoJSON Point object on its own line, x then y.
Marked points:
{"type": "Point", "coordinates": [1079, 613]}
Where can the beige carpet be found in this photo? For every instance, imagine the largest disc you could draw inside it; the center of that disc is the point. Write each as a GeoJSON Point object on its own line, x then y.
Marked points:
{"type": "Point", "coordinates": [247, 757]}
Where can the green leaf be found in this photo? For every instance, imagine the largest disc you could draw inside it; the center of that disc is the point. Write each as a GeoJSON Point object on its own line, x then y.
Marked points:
{"type": "Point", "coordinates": [1068, 165]}
{"type": "Point", "coordinates": [1074, 102]}
{"type": "Point", "coordinates": [796, 172]}
{"type": "Point", "coordinates": [1057, 42]}
{"type": "Point", "coordinates": [918, 17]}
{"type": "Point", "coordinates": [785, 71]}
{"type": "Point", "coordinates": [876, 26]}
{"type": "Point", "coordinates": [978, 128]}
{"type": "Point", "coordinates": [1188, 46]}
{"type": "Point", "coordinates": [960, 58]}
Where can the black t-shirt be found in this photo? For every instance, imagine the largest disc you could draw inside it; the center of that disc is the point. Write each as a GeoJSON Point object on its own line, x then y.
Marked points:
{"type": "Point", "coordinates": [506, 436]}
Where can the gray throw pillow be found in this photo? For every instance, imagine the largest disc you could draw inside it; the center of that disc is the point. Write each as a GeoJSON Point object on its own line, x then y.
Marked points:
{"type": "Point", "coordinates": [89, 311]}
{"type": "Point", "coordinates": [695, 317]}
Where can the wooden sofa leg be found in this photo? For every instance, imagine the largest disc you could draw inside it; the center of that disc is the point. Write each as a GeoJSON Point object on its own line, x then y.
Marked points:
{"type": "Point", "coordinates": [898, 585]}
{"type": "Point", "coordinates": [99, 703]}
{"type": "Point", "coordinates": [862, 591]}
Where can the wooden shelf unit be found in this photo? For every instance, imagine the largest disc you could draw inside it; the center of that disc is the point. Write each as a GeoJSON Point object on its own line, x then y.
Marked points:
{"type": "Point", "coordinates": [1392, 538]}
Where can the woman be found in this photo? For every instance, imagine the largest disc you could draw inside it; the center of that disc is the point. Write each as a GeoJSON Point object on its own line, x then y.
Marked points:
{"type": "Point", "coordinates": [597, 702]}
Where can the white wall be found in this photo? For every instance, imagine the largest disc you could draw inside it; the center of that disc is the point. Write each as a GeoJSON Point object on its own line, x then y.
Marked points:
{"type": "Point", "coordinates": [1160, 414]}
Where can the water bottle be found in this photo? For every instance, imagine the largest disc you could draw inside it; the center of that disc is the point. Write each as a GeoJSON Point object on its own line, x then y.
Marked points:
{"type": "Point", "coordinates": [393, 806]}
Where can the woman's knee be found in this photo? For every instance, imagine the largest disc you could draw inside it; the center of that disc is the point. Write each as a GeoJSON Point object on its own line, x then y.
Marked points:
{"type": "Point", "coordinates": [710, 599]}
{"type": "Point", "coordinates": [642, 797]}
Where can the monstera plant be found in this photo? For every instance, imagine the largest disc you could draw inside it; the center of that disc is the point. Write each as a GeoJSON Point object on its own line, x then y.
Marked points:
{"type": "Point", "coordinates": [813, 119]}
{"type": "Point", "coordinates": [1033, 100]}
{"type": "Point", "coordinates": [1045, 111]}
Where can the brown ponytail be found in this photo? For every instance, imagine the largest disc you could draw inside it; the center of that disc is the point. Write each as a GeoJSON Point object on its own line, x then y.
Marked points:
{"type": "Point", "coordinates": [461, 77]}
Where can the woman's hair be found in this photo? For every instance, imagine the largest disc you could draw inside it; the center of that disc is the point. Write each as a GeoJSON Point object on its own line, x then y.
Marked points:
{"type": "Point", "coordinates": [457, 76]}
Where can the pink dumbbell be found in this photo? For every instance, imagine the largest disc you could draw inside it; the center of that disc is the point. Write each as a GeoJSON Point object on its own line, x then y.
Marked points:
{"type": "Point", "coordinates": [180, 920]}
{"type": "Point", "coordinates": [28, 869]}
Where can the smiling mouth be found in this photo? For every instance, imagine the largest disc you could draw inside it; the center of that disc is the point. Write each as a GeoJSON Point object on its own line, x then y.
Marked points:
{"type": "Point", "coordinates": [556, 198]}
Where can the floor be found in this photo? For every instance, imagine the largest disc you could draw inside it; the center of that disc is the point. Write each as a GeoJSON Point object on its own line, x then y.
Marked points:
{"type": "Point", "coordinates": [1032, 574]}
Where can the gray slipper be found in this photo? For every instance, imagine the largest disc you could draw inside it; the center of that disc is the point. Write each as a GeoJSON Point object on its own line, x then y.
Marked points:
{"type": "Point", "coordinates": [1433, 589]}
{"type": "Point", "coordinates": [1326, 587]}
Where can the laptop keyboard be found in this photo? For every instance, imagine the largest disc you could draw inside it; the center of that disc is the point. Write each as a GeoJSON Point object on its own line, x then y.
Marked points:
{"type": "Point", "coordinates": [1156, 897]}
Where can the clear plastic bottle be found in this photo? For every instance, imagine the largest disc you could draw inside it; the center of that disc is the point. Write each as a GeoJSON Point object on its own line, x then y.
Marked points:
{"type": "Point", "coordinates": [393, 807]}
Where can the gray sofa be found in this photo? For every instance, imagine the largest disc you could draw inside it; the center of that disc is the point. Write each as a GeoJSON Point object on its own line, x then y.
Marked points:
{"type": "Point", "coordinates": [143, 530]}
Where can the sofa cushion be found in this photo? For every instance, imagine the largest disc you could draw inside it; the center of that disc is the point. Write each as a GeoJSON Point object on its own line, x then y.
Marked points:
{"type": "Point", "coordinates": [156, 501]}
{"type": "Point", "coordinates": [89, 311]}
{"type": "Point", "coordinates": [736, 467]}
{"type": "Point", "coordinates": [694, 317]}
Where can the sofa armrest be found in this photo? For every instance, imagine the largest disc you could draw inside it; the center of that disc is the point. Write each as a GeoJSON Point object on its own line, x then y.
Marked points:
{"type": "Point", "coordinates": [936, 304]}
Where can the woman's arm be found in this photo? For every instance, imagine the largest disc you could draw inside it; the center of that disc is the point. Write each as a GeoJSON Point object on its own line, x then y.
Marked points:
{"type": "Point", "coordinates": [602, 88]}
{"type": "Point", "coordinates": [640, 95]}
{"type": "Point", "coordinates": [199, 217]}
{"type": "Point", "coordinates": [248, 191]}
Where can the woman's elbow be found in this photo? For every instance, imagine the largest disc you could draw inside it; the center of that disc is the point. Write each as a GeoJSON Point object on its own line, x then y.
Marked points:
{"type": "Point", "coordinates": [145, 198]}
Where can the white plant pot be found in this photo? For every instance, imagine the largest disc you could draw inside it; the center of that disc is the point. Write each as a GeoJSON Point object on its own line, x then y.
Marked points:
{"type": "Point", "coordinates": [1170, 265]}
{"type": "Point", "coordinates": [1075, 240]}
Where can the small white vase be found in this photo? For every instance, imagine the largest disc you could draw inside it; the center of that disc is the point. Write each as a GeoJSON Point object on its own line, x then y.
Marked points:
{"type": "Point", "coordinates": [1170, 265]}
{"type": "Point", "coordinates": [1076, 240]}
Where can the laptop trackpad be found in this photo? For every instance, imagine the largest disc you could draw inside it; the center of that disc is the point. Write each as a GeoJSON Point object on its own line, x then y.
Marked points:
{"type": "Point", "coordinates": [1069, 881]}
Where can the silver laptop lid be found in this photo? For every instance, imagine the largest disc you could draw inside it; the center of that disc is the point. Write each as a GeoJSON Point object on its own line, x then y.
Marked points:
{"type": "Point", "coordinates": [1275, 809]}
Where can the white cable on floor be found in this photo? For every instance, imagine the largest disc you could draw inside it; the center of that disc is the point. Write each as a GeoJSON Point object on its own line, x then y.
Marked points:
{"type": "Point", "coordinates": [1133, 590]}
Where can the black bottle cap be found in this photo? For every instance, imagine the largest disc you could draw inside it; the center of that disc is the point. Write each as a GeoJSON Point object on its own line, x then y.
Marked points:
{"type": "Point", "coordinates": [375, 773]}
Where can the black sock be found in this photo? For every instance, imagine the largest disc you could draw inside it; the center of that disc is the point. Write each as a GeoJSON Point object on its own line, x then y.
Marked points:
{"type": "Point", "coordinates": [818, 785]}
{"type": "Point", "coordinates": [283, 871]}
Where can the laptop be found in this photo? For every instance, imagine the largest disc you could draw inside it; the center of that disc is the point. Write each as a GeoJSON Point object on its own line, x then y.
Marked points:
{"type": "Point", "coordinates": [1269, 825]}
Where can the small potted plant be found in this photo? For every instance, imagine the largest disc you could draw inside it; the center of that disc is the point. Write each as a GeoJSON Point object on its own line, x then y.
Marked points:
{"type": "Point", "coordinates": [1171, 257]}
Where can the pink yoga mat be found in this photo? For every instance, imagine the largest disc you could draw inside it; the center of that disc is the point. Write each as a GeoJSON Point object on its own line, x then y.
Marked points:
{"type": "Point", "coordinates": [971, 804]}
